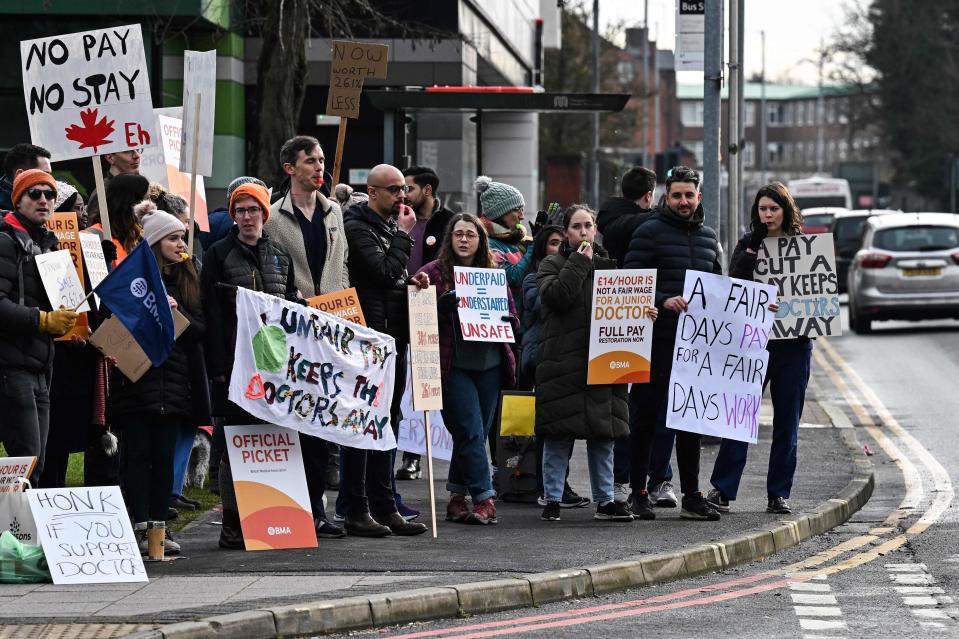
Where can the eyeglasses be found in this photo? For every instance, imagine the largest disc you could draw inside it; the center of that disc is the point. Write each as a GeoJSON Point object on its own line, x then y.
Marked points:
{"type": "Point", "coordinates": [36, 194]}
{"type": "Point", "coordinates": [469, 235]}
{"type": "Point", "coordinates": [252, 211]}
{"type": "Point", "coordinates": [393, 188]}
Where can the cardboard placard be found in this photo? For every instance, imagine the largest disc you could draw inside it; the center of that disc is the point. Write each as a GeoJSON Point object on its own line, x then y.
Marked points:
{"type": "Point", "coordinates": [424, 348]}
{"type": "Point", "coordinates": [720, 357]}
{"type": "Point", "coordinates": [803, 270]}
{"type": "Point", "coordinates": [199, 79]}
{"type": "Point", "coordinates": [67, 229]}
{"type": "Point", "coordinates": [270, 484]}
{"type": "Point", "coordinates": [86, 535]}
{"type": "Point", "coordinates": [96, 264]}
{"type": "Point", "coordinates": [411, 437]}
{"type": "Point", "coordinates": [60, 280]}
{"type": "Point", "coordinates": [620, 329]}
{"type": "Point", "coordinates": [114, 340]}
{"type": "Point", "coordinates": [12, 470]}
{"type": "Point", "coordinates": [344, 304]}
{"type": "Point", "coordinates": [350, 64]}
{"type": "Point", "coordinates": [483, 304]}
{"type": "Point", "coordinates": [162, 164]}
{"type": "Point", "coordinates": [88, 93]}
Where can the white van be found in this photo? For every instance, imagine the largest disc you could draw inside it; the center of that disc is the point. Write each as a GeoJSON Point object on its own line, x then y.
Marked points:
{"type": "Point", "coordinates": [821, 191]}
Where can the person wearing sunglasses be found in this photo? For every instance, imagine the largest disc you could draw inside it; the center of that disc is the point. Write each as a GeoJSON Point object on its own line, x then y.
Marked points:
{"type": "Point", "coordinates": [28, 324]}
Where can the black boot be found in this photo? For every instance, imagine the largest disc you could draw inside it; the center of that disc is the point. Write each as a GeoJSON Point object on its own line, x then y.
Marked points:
{"type": "Point", "coordinates": [410, 468]}
{"type": "Point", "coordinates": [364, 526]}
{"type": "Point", "coordinates": [231, 534]}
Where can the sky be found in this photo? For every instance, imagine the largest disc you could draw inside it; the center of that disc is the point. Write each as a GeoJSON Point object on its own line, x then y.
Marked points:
{"type": "Point", "coordinates": [793, 32]}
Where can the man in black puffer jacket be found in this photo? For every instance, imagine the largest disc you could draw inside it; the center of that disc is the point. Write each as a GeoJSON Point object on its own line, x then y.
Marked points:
{"type": "Point", "coordinates": [673, 240]}
{"type": "Point", "coordinates": [28, 324]}
{"type": "Point", "coordinates": [378, 233]}
{"type": "Point", "coordinates": [619, 217]}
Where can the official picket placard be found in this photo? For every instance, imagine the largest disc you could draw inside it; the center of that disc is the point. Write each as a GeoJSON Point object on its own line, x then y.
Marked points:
{"type": "Point", "coordinates": [270, 484]}
{"type": "Point", "coordinates": [412, 431]}
{"type": "Point", "coordinates": [161, 164]}
{"type": "Point", "coordinates": [199, 80]}
{"type": "Point", "coordinates": [60, 280]}
{"type": "Point", "coordinates": [803, 270]}
{"type": "Point", "coordinates": [720, 357]}
{"type": "Point", "coordinates": [313, 372]}
{"type": "Point", "coordinates": [620, 328]}
{"type": "Point", "coordinates": [344, 304]}
{"type": "Point", "coordinates": [93, 257]}
{"type": "Point", "coordinates": [424, 348]}
{"type": "Point", "coordinates": [483, 303]}
{"type": "Point", "coordinates": [88, 93]}
{"type": "Point", "coordinates": [86, 535]}
{"type": "Point", "coordinates": [350, 64]}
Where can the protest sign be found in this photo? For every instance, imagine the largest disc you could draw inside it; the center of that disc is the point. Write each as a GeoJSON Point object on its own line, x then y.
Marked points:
{"type": "Point", "coordinates": [65, 227]}
{"type": "Point", "coordinates": [620, 329]}
{"type": "Point", "coordinates": [412, 431]}
{"type": "Point", "coordinates": [93, 258]}
{"type": "Point", "coordinates": [60, 280]}
{"type": "Point", "coordinates": [350, 64]}
{"type": "Point", "coordinates": [803, 270]}
{"type": "Point", "coordinates": [720, 357]}
{"type": "Point", "coordinates": [88, 93]}
{"type": "Point", "coordinates": [344, 304]}
{"type": "Point", "coordinates": [483, 303]}
{"type": "Point", "coordinates": [86, 535]}
{"type": "Point", "coordinates": [114, 340]}
{"type": "Point", "coordinates": [313, 372]}
{"type": "Point", "coordinates": [199, 105]}
{"type": "Point", "coordinates": [161, 164]}
{"type": "Point", "coordinates": [424, 348]}
{"type": "Point", "coordinates": [12, 470]}
{"type": "Point", "coordinates": [270, 484]}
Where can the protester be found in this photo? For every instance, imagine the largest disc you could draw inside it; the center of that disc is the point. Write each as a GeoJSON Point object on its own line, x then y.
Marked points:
{"type": "Point", "coordinates": [566, 408]}
{"type": "Point", "coordinates": [347, 197]}
{"type": "Point", "coordinates": [20, 158]}
{"type": "Point", "coordinates": [245, 258]}
{"type": "Point", "coordinates": [673, 240]}
{"type": "Point", "coordinates": [379, 254]}
{"type": "Point", "coordinates": [428, 233]}
{"type": "Point", "coordinates": [124, 193]}
{"type": "Point", "coordinates": [620, 216]}
{"type": "Point", "coordinates": [502, 216]}
{"type": "Point", "coordinates": [310, 228]}
{"type": "Point", "coordinates": [151, 411]}
{"type": "Point", "coordinates": [69, 199]}
{"type": "Point", "coordinates": [472, 374]}
{"type": "Point", "coordinates": [118, 163]}
{"type": "Point", "coordinates": [774, 214]}
{"type": "Point", "coordinates": [28, 323]}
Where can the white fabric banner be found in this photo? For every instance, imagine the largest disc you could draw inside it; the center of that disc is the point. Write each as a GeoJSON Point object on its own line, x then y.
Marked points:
{"type": "Point", "coordinates": [313, 372]}
{"type": "Point", "coordinates": [720, 357]}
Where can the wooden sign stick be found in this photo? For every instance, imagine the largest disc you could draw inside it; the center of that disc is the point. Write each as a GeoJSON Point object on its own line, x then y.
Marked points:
{"type": "Point", "coordinates": [429, 468]}
{"type": "Point", "coordinates": [340, 140]}
{"type": "Point", "coordinates": [196, 151]}
{"type": "Point", "coordinates": [101, 197]}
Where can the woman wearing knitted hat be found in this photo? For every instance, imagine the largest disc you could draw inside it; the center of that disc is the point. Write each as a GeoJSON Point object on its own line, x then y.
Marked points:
{"type": "Point", "coordinates": [502, 207]}
{"type": "Point", "coordinates": [150, 412]}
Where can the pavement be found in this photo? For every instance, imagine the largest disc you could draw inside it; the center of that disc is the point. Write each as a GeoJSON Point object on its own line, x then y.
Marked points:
{"type": "Point", "coordinates": [360, 583]}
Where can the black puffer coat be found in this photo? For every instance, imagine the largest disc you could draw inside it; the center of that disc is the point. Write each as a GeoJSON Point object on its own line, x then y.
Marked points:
{"type": "Point", "coordinates": [673, 245]}
{"type": "Point", "coordinates": [164, 389]}
{"type": "Point", "coordinates": [378, 259]}
{"type": "Point", "coordinates": [268, 269]}
{"type": "Point", "coordinates": [22, 296]}
{"type": "Point", "coordinates": [565, 405]}
{"type": "Point", "coordinates": [617, 220]}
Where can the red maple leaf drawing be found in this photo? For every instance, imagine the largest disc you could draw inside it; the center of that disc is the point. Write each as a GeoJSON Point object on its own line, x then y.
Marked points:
{"type": "Point", "coordinates": [92, 133]}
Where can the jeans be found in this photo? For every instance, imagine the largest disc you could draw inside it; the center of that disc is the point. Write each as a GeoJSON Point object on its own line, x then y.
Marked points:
{"type": "Point", "coordinates": [25, 414]}
{"type": "Point", "coordinates": [181, 456]}
{"type": "Point", "coordinates": [648, 413]}
{"type": "Point", "coordinates": [469, 400]}
{"type": "Point", "coordinates": [148, 442]}
{"type": "Point", "coordinates": [556, 461]}
{"type": "Point", "coordinates": [789, 365]}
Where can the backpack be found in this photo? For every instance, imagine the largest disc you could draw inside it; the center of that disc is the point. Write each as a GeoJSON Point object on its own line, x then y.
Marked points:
{"type": "Point", "coordinates": [518, 470]}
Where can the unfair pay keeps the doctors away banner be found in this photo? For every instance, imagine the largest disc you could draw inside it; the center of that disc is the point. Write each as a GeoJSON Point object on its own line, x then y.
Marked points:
{"type": "Point", "coordinates": [313, 372]}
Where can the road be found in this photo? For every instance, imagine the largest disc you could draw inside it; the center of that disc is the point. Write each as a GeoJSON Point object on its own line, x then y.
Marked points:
{"type": "Point", "coordinates": [891, 571]}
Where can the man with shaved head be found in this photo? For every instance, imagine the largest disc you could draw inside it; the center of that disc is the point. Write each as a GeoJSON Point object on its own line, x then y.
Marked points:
{"type": "Point", "coordinates": [379, 246]}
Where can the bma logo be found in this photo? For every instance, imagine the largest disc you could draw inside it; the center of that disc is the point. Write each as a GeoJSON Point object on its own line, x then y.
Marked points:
{"type": "Point", "coordinates": [139, 287]}
{"type": "Point", "coordinates": [278, 530]}
{"type": "Point", "coordinates": [560, 102]}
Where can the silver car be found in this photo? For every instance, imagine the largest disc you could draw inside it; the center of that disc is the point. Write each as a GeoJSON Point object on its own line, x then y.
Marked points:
{"type": "Point", "coordinates": [907, 268]}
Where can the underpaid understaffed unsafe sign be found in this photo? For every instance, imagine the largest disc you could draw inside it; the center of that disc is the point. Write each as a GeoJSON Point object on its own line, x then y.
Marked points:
{"type": "Point", "coordinates": [313, 372]}
{"type": "Point", "coordinates": [483, 303]}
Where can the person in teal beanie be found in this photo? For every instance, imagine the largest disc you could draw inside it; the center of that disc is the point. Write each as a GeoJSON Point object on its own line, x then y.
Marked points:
{"type": "Point", "coordinates": [502, 216]}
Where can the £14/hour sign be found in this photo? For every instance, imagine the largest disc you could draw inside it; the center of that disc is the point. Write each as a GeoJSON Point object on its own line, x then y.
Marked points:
{"type": "Point", "coordinates": [88, 93]}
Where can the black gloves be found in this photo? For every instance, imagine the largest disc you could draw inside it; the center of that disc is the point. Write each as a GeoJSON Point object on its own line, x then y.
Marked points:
{"type": "Point", "coordinates": [447, 303]}
{"type": "Point", "coordinates": [109, 251]}
{"type": "Point", "coordinates": [759, 234]}
{"type": "Point", "coordinates": [541, 220]}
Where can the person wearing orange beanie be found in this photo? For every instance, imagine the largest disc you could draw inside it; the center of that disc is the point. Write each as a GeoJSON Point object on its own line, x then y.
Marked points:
{"type": "Point", "coordinates": [251, 191]}
{"type": "Point", "coordinates": [29, 179]}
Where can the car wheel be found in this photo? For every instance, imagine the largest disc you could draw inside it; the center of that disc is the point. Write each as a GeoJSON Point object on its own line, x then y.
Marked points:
{"type": "Point", "coordinates": [859, 325]}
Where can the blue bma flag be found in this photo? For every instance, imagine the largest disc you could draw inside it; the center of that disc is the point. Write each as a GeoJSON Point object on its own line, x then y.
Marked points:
{"type": "Point", "coordinates": [135, 293]}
